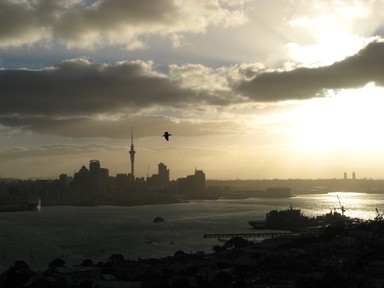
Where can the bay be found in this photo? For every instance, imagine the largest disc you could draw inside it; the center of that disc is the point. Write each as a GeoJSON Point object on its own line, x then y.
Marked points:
{"type": "Point", "coordinates": [76, 233]}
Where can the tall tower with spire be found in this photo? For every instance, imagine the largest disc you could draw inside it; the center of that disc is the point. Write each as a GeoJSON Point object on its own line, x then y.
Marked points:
{"type": "Point", "coordinates": [132, 154]}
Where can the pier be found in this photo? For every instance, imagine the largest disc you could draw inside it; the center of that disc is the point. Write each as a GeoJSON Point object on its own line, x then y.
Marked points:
{"type": "Point", "coordinates": [249, 235]}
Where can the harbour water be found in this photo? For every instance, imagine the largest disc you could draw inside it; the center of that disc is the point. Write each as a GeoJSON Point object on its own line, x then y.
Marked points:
{"type": "Point", "coordinates": [76, 233]}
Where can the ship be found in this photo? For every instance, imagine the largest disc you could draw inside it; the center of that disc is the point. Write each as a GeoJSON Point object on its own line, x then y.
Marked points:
{"type": "Point", "coordinates": [32, 204]}
{"type": "Point", "coordinates": [294, 220]}
{"type": "Point", "coordinates": [289, 219]}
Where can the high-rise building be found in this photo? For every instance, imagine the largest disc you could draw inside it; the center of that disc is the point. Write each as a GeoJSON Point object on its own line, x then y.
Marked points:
{"type": "Point", "coordinates": [199, 181]}
{"type": "Point", "coordinates": [163, 175]}
{"type": "Point", "coordinates": [98, 181]}
{"type": "Point", "coordinates": [345, 175]}
{"type": "Point", "coordinates": [192, 185]}
{"type": "Point", "coordinates": [132, 154]}
{"type": "Point", "coordinates": [353, 175]}
{"type": "Point", "coordinates": [94, 171]}
{"type": "Point", "coordinates": [81, 181]}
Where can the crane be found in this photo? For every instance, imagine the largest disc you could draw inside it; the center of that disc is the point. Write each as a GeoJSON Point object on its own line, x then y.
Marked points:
{"type": "Point", "coordinates": [341, 206]}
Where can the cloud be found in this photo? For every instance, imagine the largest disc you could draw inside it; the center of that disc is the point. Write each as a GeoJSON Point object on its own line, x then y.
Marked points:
{"type": "Point", "coordinates": [53, 150]}
{"type": "Point", "coordinates": [79, 86]}
{"type": "Point", "coordinates": [90, 24]}
{"type": "Point", "coordinates": [82, 98]}
{"type": "Point", "coordinates": [305, 83]}
{"type": "Point", "coordinates": [144, 126]}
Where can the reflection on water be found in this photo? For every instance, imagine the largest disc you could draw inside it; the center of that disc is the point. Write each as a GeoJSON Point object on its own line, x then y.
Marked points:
{"type": "Point", "coordinates": [75, 233]}
{"type": "Point", "coordinates": [357, 205]}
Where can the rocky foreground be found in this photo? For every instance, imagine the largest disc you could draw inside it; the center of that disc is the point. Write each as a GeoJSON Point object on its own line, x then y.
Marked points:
{"type": "Point", "coordinates": [336, 257]}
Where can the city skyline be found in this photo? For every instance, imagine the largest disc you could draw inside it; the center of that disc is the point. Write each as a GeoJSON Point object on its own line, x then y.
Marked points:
{"type": "Point", "coordinates": [249, 89]}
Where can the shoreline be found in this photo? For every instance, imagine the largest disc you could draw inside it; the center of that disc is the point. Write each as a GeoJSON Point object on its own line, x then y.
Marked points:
{"type": "Point", "coordinates": [130, 204]}
{"type": "Point", "coordinates": [303, 261]}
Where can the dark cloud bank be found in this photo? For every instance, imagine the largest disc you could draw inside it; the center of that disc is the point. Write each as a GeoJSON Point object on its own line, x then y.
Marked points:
{"type": "Point", "coordinates": [26, 22]}
{"type": "Point", "coordinates": [81, 87]}
{"type": "Point", "coordinates": [63, 100]}
{"type": "Point", "coordinates": [95, 23]}
{"type": "Point", "coordinates": [304, 83]}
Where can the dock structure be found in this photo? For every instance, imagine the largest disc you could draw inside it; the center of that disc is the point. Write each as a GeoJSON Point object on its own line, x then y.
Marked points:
{"type": "Point", "coordinates": [249, 235]}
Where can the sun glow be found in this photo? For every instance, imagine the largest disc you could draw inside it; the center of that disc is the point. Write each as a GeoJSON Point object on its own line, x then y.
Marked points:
{"type": "Point", "coordinates": [333, 32]}
{"type": "Point", "coordinates": [347, 119]}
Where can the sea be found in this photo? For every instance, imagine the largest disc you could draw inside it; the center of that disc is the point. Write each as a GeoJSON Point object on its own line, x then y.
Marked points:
{"type": "Point", "coordinates": [75, 233]}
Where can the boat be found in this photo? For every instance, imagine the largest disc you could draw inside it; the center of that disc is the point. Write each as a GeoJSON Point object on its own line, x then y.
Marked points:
{"type": "Point", "coordinates": [294, 220]}
{"type": "Point", "coordinates": [34, 204]}
{"type": "Point", "coordinates": [289, 219]}
{"type": "Point", "coordinates": [158, 219]}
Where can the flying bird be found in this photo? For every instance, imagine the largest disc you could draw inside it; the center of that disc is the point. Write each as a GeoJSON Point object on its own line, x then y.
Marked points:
{"type": "Point", "coordinates": [166, 135]}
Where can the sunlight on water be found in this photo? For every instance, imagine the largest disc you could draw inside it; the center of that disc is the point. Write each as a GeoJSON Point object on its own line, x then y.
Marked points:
{"type": "Point", "coordinates": [356, 205]}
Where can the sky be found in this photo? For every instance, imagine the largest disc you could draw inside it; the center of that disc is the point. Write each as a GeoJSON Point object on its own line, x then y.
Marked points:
{"type": "Point", "coordinates": [249, 89]}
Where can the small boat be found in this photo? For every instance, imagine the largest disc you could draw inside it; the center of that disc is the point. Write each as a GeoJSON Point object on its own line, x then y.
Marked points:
{"type": "Point", "coordinates": [158, 219]}
{"type": "Point", "coordinates": [34, 204]}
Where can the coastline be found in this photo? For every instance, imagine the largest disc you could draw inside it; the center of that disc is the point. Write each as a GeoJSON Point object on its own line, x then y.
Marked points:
{"type": "Point", "coordinates": [23, 207]}
{"type": "Point", "coordinates": [338, 256]}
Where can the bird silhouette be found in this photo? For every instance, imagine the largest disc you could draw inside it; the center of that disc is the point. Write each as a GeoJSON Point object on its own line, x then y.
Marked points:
{"type": "Point", "coordinates": [166, 135]}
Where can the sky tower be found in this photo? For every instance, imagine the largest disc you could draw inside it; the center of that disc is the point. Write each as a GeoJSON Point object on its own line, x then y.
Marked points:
{"type": "Point", "coordinates": [132, 154]}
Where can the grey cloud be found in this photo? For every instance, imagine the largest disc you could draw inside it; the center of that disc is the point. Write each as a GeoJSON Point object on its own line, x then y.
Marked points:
{"type": "Point", "coordinates": [304, 83]}
{"type": "Point", "coordinates": [81, 87]}
{"type": "Point", "coordinates": [48, 151]}
{"type": "Point", "coordinates": [144, 126]}
{"type": "Point", "coordinates": [79, 98]}
{"type": "Point", "coordinates": [88, 24]}
{"type": "Point", "coordinates": [18, 25]}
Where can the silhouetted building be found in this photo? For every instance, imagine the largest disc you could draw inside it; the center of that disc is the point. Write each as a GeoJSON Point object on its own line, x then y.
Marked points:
{"type": "Point", "coordinates": [192, 185]}
{"type": "Point", "coordinates": [153, 182]}
{"type": "Point", "coordinates": [81, 181]}
{"type": "Point", "coordinates": [345, 175]}
{"type": "Point", "coordinates": [353, 175]}
{"type": "Point", "coordinates": [63, 187]}
{"type": "Point", "coordinates": [94, 171]}
{"type": "Point", "coordinates": [91, 185]}
{"type": "Point", "coordinates": [159, 181]}
{"type": "Point", "coordinates": [199, 181]}
{"type": "Point", "coordinates": [125, 187]}
{"type": "Point", "coordinates": [103, 184]}
{"type": "Point", "coordinates": [163, 176]}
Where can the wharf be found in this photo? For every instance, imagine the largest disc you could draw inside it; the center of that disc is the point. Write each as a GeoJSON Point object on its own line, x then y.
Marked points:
{"type": "Point", "coordinates": [249, 235]}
